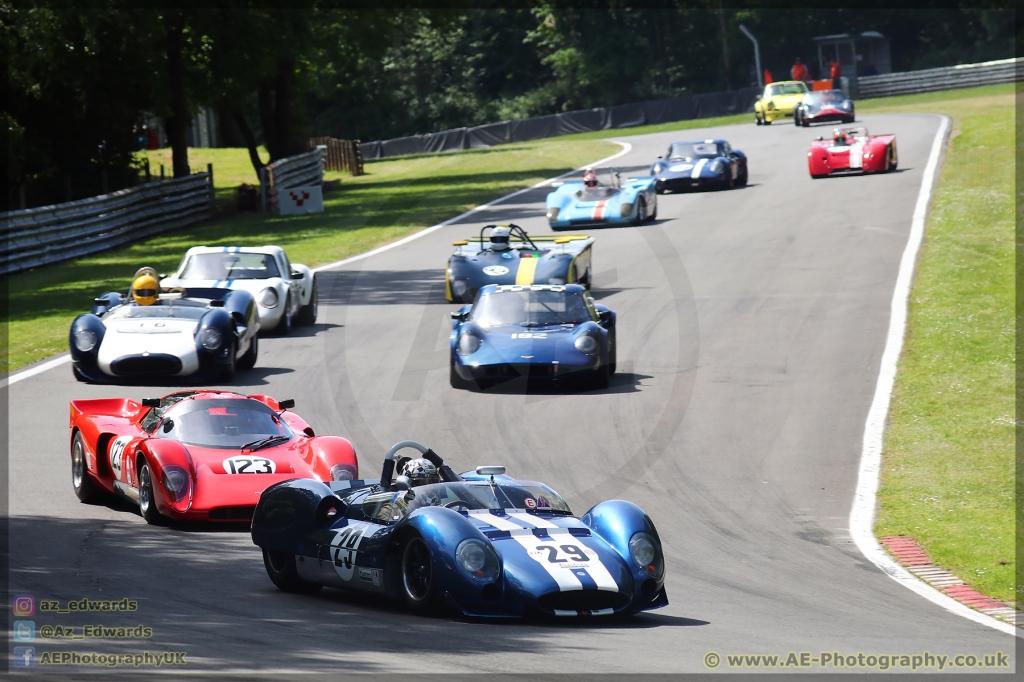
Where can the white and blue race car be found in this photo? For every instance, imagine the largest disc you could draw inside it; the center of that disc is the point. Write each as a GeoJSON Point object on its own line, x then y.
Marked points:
{"type": "Point", "coordinates": [285, 292]}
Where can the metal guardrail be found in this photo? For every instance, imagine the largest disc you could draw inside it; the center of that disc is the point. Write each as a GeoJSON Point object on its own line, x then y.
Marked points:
{"type": "Point", "coordinates": [295, 171]}
{"type": "Point", "coordinates": [945, 78]}
{"type": "Point", "coordinates": [51, 234]}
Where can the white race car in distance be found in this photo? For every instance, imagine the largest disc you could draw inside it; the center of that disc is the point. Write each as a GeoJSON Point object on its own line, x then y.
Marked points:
{"type": "Point", "coordinates": [285, 292]}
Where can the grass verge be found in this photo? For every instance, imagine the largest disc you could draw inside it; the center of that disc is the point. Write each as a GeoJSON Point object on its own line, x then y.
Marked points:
{"type": "Point", "coordinates": [393, 199]}
{"type": "Point", "coordinates": [948, 464]}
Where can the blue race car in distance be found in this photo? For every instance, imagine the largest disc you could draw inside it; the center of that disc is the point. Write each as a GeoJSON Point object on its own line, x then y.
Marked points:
{"type": "Point", "coordinates": [574, 204]}
{"type": "Point", "coordinates": [700, 164]}
{"type": "Point", "coordinates": [542, 332]}
{"type": "Point", "coordinates": [481, 544]}
{"type": "Point", "coordinates": [510, 256]}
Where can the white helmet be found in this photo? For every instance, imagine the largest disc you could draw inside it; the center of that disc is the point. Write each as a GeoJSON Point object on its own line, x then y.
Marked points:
{"type": "Point", "coordinates": [421, 472]}
{"type": "Point", "coordinates": [499, 239]}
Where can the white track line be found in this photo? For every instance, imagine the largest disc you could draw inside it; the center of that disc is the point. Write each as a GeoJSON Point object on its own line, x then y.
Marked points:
{"type": "Point", "coordinates": [626, 148]}
{"type": "Point", "coordinates": [862, 516]}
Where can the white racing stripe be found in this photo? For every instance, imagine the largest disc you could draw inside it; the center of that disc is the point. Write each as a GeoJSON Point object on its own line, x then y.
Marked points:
{"type": "Point", "coordinates": [531, 520]}
{"type": "Point", "coordinates": [698, 168]}
{"type": "Point", "coordinates": [566, 579]}
{"type": "Point", "coordinates": [499, 522]}
{"type": "Point", "coordinates": [857, 155]}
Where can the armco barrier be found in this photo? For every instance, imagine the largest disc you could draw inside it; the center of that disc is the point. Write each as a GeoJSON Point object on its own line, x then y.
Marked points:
{"type": "Point", "coordinates": [539, 127]}
{"type": "Point", "coordinates": [945, 78]}
{"type": "Point", "coordinates": [51, 234]}
{"type": "Point", "coordinates": [295, 171]}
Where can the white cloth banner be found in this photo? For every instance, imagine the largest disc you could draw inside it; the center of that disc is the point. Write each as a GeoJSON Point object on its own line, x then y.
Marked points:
{"type": "Point", "coordinates": [300, 200]}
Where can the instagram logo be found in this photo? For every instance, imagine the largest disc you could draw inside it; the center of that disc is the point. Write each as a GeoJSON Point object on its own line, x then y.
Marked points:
{"type": "Point", "coordinates": [24, 605]}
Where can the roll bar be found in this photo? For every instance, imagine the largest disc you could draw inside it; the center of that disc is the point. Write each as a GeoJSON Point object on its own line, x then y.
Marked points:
{"type": "Point", "coordinates": [389, 463]}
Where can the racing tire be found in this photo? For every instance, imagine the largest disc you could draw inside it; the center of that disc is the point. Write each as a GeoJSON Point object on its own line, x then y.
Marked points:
{"type": "Point", "coordinates": [77, 374]}
{"type": "Point", "coordinates": [308, 312]}
{"type": "Point", "coordinates": [641, 211]}
{"type": "Point", "coordinates": [147, 500]}
{"type": "Point", "coordinates": [743, 178]}
{"type": "Point", "coordinates": [284, 325]}
{"type": "Point", "coordinates": [86, 489]}
{"type": "Point", "coordinates": [730, 182]}
{"type": "Point", "coordinates": [455, 380]}
{"type": "Point", "coordinates": [613, 357]}
{"type": "Point", "coordinates": [893, 160]}
{"type": "Point", "coordinates": [757, 120]}
{"type": "Point", "coordinates": [600, 377]}
{"type": "Point", "coordinates": [248, 361]}
{"type": "Point", "coordinates": [418, 578]}
{"type": "Point", "coordinates": [283, 573]}
{"type": "Point", "coordinates": [651, 218]}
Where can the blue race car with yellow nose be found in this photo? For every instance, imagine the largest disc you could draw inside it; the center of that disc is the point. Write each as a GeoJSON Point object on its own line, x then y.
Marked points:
{"type": "Point", "coordinates": [505, 254]}
{"type": "Point", "coordinates": [478, 543]}
{"type": "Point", "coordinates": [541, 332]}
{"type": "Point", "coordinates": [694, 165]}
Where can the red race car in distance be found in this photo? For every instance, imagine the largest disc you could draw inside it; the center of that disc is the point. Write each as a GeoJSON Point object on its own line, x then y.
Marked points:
{"type": "Point", "coordinates": [852, 150]}
{"type": "Point", "coordinates": [201, 455]}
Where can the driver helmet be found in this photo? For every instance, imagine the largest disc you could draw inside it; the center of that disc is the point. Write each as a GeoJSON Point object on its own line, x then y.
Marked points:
{"type": "Point", "coordinates": [145, 286]}
{"type": "Point", "coordinates": [421, 472]}
{"type": "Point", "coordinates": [499, 239]}
{"type": "Point", "coordinates": [839, 136]}
{"type": "Point", "coordinates": [590, 178]}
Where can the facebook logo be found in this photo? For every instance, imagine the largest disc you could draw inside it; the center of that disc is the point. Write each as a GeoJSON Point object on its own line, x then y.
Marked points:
{"type": "Point", "coordinates": [24, 656]}
{"type": "Point", "coordinates": [24, 631]}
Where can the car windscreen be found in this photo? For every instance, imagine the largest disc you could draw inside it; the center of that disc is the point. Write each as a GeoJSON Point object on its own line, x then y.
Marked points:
{"type": "Point", "coordinates": [685, 151]}
{"type": "Point", "coordinates": [787, 89]}
{"type": "Point", "coordinates": [599, 193]}
{"type": "Point", "coordinates": [530, 308]}
{"type": "Point", "coordinates": [824, 97]}
{"type": "Point", "coordinates": [226, 265]}
{"type": "Point", "coordinates": [228, 423]}
{"type": "Point", "coordinates": [483, 495]}
{"type": "Point", "coordinates": [164, 309]}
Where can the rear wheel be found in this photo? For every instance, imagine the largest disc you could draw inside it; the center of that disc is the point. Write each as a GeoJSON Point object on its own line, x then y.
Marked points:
{"type": "Point", "coordinates": [283, 573]}
{"type": "Point", "coordinates": [147, 501]}
{"type": "Point", "coordinates": [307, 313]}
{"type": "Point", "coordinates": [248, 361]}
{"type": "Point", "coordinates": [419, 584]}
{"type": "Point", "coordinates": [85, 488]}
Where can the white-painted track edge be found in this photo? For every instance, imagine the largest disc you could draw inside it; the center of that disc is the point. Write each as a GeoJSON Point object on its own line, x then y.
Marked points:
{"type": "Point", "coordinates": [862, 515]}
{"type": "Point", "coordinates": [15, 377]}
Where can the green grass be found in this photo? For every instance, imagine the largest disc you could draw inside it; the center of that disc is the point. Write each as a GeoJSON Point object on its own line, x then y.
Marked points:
{"type": "Point", "coordinates": [393, 199]}
{"type": "Point", "coordinates": [948, 459]}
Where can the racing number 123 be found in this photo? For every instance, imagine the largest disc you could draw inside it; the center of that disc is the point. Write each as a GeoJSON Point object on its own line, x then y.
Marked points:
{"type": "Point", "coordinates": [572, 551]}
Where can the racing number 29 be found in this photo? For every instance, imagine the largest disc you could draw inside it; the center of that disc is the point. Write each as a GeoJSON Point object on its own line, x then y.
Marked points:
{"type": "Point", "coordinates": [572, 551]}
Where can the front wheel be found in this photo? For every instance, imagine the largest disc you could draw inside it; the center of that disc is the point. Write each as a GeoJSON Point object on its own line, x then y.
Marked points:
{"type": "Point", "coordinates": [654, 214]}
{"type": "Point", "coordinates": [757, 119]}
{"type": "Point", "coordinates": [147, 500]}
{"type": "Point", "coordinates": [85, 488]}
{"type": "Point", "coordinates": [419, 586]}
{"type": "Point", "coordinates": [232, 367]}
{"type": "Point", "coordinates": [307, 313]}
{"type": "Point", "coordinates": [454, 379]}
{"type": "Point", "coordinates": [641, 211]}
{"type": "Point", "coordinates": [248, 361]}
{"type": "Point", "coordinates": [284, 325]}
{"type": "Point", "coordinates": [741, 180]}
{"type": "Point", "coordinates": [77, 374]}
{"type": "Point", "coordinates": [893, 159]}
{"type": "Point", "coordinates": [283, 573]}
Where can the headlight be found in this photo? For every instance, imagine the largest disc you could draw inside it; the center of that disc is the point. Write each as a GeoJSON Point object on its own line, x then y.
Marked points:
{"type": "Point", "coordinates": [717, 166]}
{"type": "Point", "coordinates": [268, 298]}
{"type": "Point", "coordinates": [176, 482]}
{"type": "Point", "coordinates": [586, 344]}
{"type": "Point", "coordinates": [210, 338]}
{"type": "Point", "coordinates": [645, 554]}
{"type": "Point", "coordinates": [658, 168]}
{"type": "Point", "coordinates": [459, 287]}
{"type": "Point", "coordinates": [625, 210]}
{"type": "Point", "coordinates": [342, 472]}
{"type": "Point", "coordinates": [85, 340]}
{"type": "Point", "coordinates": [468, 344]}
{"type": "Point", "coordinates": [556, 280]}
{"type": "Point", "coordinates": [845, 105]}
{"type": "Point", "coordinates": [477, 560]}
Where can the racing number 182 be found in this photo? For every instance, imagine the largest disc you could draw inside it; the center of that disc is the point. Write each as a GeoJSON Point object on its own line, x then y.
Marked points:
{"type": "Point", "coordinates": [572, 551]}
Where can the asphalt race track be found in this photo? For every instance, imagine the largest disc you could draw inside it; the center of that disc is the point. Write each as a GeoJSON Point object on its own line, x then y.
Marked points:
{"type": "Point", "coordinates": [751, 325]}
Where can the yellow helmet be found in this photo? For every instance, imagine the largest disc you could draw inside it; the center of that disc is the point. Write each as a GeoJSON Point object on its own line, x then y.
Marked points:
{"type": "Point", "coordinates": [145, 286]}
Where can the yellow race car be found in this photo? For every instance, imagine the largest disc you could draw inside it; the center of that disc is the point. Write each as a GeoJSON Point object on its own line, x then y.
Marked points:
{"type": "Point", "coordinates": [778, 101]}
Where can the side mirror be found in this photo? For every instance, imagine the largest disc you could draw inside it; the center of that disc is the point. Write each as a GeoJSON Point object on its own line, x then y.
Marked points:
{"type": "Point", "coordinates": [459, 315]}
{"type": "Point", "coordinates": [490, 471]}
{"type": "Point", "coordinates": [605, 316]}
{"type": "Point", "coordinates": [151, 402]}
{"type": "Point", "coordinates": [298, 275]}
{"type": "Point", "coordinates": [101, 301]}
{"type": "Point", "coordinates": [286, 404]}
{"type": "Point", "coordinates": [167, 425]}
{"type": "Point", "coordinates": [660, 157]}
